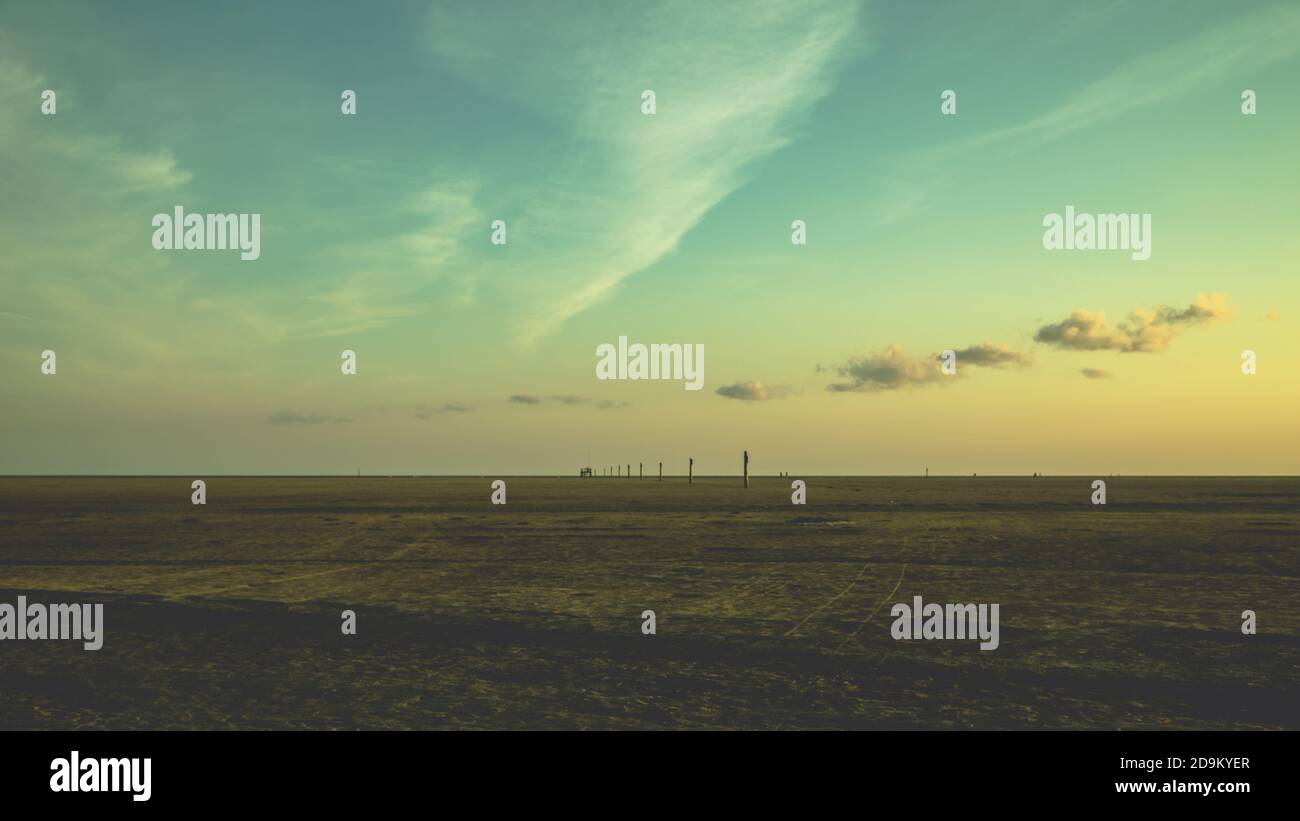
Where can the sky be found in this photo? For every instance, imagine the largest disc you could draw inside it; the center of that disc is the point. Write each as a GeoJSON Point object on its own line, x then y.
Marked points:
{"type": "Point", "coordinates": [924, 234]}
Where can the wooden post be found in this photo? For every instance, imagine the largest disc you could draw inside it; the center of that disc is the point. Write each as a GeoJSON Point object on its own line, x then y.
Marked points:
{"type": "Point", "coordinates": [640, 470]}
{"type": "Point", "coordinates": [690, 473]}
{"type": "Point", "coordinates": [661, 471]}
{"type": "Point", "coordinates": [629, 470]}
{"type": "Point", "coordinates": [746, 468]}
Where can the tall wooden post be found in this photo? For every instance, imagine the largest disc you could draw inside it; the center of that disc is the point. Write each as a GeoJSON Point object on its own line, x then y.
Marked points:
{"type": "Point", "coordinates": [690, 473]}
{"type": "Point", "coordinates": [640, 470]}
{"type": "Point", "coordinates": [629, 470]}
{"type": "Point", "coordinates": [746, 468]}
{"type": "Point", "coordinates": [661, 471]}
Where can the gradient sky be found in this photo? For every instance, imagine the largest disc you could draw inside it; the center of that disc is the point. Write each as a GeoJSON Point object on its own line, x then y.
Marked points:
{"type": "Point", "coordinates": [924, 234]}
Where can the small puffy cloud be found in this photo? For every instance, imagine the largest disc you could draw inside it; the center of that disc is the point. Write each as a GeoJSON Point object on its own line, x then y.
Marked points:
{"type": "Point", "coordinates": [1205, 310]}
{"type": "Point", "coordinates": [524, 399]}
{"type": "Point", "coordinates": [1095, 373]}
{"type": "Point", "coordinates": [992, 355]}
{"type": "Point", "coordinates": [890, 369]}
{"type": "Point", "coordinates": [754, 391]}
{"type": "Point", "coordinates": [1082, 330]}
{"type": "Point", "coordinates": [1145, 331]}
{"type": "Point", "coordinates": [292, 418]}
{"type": "Point", "coordinates": [569, 399]}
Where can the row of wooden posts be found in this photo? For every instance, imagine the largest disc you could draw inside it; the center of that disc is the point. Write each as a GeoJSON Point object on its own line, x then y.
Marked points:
{"type": "Point", "coordinates": [640, 469]}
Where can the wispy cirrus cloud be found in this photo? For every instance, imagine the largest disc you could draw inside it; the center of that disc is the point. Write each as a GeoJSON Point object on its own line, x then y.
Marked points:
{"type": "Point", "coordinates": [102, 159]}
{"type": "Point", "coordinates": [105, 187]}
{"type": "Point", "coordinates": [1243, 45]}
{"type": "Point", "coordinates": [74, 196]}
{"type": "Point", "coordinates": [731, 79]}
{"type": "Point", "coordinates": [1246, 41]}
{"type": "Point", "coordinates": [384, 275]}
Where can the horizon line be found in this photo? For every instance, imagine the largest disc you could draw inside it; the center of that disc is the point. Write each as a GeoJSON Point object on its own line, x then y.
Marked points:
{"type": "Point", "coordinates": [790, 475]}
